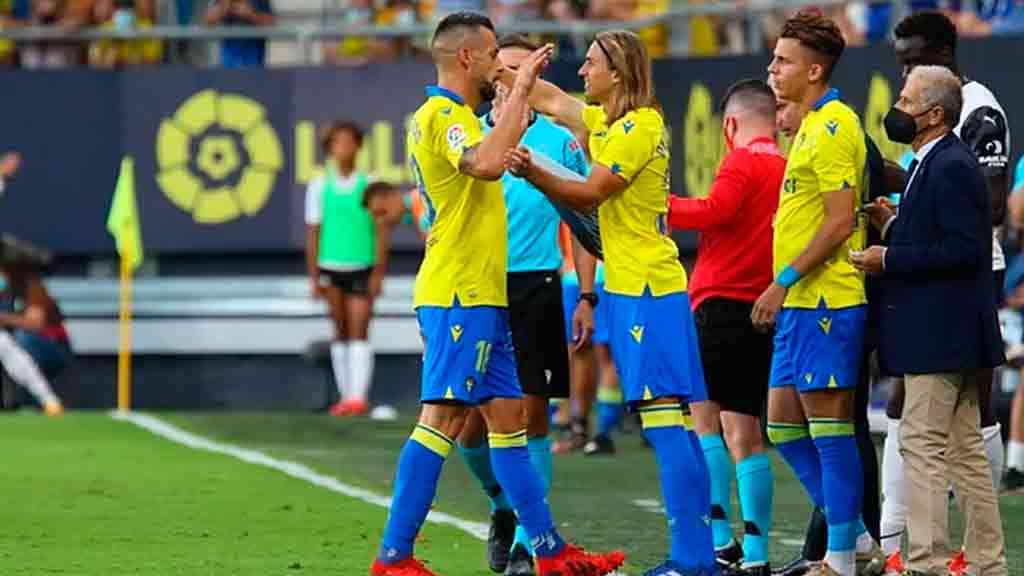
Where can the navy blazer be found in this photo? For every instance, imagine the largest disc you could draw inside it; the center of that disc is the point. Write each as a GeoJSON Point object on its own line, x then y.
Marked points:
{"type": "Point", "coordinates": [939, 308]}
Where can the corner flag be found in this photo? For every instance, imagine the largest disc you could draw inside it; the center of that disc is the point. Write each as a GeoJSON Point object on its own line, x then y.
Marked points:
{"type": "Point", "coordinates": [123, 220]}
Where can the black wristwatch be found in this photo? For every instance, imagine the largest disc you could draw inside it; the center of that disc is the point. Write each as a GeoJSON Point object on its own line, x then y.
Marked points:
{"type": "Point", "coordinates": [589, 297]}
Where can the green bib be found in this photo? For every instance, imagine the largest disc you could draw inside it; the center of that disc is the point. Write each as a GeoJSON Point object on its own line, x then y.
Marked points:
{"type": "Point", "coordinates": [346, 228]}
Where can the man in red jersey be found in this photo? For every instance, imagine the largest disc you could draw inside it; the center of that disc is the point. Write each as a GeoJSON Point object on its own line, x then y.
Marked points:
{"type": "Point", "coordinates": [734, 266]}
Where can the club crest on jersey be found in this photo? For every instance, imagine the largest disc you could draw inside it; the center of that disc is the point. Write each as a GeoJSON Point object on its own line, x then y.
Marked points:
{"type": "Point", "coordinates": [456, 136]}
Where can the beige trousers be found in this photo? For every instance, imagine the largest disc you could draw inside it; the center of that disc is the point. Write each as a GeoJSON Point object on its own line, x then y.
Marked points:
{"type": "Point", "coordinates": [941, 442]}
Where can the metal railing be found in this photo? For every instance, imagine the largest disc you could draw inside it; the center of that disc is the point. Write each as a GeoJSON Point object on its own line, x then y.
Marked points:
{"type": "Point", "coordinates": [306, 35]}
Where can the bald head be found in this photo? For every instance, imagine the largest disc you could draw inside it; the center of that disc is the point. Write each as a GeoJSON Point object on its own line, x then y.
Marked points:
{"type": "Point", "coordinates": [937, 86]}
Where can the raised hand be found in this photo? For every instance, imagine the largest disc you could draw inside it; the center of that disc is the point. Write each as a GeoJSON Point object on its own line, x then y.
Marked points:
{"type": "Point", "coordinates": [532, 66]}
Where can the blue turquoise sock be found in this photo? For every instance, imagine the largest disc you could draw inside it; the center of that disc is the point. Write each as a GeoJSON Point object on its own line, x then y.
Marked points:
{"type": "Point", "coordinates": [540, 456]}
{"type": "Point", "coordinates": [478, 460]}
{"type": "Point", "coordinates": [510, 459]}
{"type": "Point", "coordinates": [609, 410]}
{"type": "Point", "coordinates": [684, 485]}
{"type": "Point", "coordinates": [755, 483]}
{"type": "Point", "coordinates": [840, 461]}
{"type": "Point", "coordinates": [793, 441]}
{"type": "Point", "coordinates": [419, 467]}
{"type": "Point", "coordinates": [720, 470]}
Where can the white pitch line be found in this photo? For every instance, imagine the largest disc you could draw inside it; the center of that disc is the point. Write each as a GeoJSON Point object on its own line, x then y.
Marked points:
{"type": "Point", "coordinates": [170, 432]}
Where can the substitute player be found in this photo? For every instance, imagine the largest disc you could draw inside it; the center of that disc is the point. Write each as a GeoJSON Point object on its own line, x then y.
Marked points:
{"type": "Point", "coordinates": [929, 38]}
{"type": "Point", "coordinates": [347, 249]}
{"type": "Point", "coordinates": [461, 301]}
{"type": "Point", "coordinates": [817, 302]}
{"type": "Point", "coordinates": [734, 266]}
{"type": "Point", "coordinates": [652, 331]}
{"type": "Point", "coordinates": [535, 312]}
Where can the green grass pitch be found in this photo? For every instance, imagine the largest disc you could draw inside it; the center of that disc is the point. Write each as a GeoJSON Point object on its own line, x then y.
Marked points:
{"type": "Point", "coordinates": [86, 495]}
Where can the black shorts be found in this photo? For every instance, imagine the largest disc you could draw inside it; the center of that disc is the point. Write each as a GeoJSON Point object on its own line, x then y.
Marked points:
{"type": "Point", "coordinates": [351, 282]}
{"type": "Point", "coordinates": [737, 358]}
{"type": "Point", "coordinates": [538, 332]}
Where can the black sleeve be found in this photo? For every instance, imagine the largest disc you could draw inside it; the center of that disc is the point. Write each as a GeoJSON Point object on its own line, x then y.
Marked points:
{"type": "Point", "coordinates": [985, 133]}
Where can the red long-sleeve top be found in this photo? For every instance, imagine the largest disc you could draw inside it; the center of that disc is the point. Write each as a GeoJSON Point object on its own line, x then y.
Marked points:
{"type": "Point", "coordinates": [734, 255]}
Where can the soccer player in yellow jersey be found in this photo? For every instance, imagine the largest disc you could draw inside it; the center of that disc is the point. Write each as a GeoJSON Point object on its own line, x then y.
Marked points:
{"type": "Point", "coordinates": [817, 302]}
{"type": "Point", "coordinates": [461, 302]}
{"type": "Point", "coordinates": [652, 330]}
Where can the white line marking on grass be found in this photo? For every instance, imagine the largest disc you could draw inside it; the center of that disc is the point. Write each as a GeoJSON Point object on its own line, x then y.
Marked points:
{"type": "Point", "coordinates": [170, 432]}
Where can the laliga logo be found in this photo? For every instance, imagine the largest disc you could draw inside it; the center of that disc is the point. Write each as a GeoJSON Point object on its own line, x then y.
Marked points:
{"type": "Point", "coordinates": [218, 157]}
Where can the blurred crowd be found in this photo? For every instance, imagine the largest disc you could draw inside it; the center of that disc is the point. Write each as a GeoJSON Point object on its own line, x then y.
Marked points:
{"type": "Point", "coordinates": [862, 22]}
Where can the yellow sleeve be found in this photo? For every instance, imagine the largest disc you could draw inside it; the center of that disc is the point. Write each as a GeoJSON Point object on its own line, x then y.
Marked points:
{"type": "Point", "coordinates": [456, 130]}
{"type": "Point", "coordinates": [593, 117]}
{"type": "Point", "coordinates": [628, 148]}
{"type": "Point", "coordinates": [835, 155]}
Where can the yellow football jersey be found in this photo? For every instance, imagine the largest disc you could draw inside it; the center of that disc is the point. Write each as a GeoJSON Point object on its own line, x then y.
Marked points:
{"type": "Point", "coordinates": [467, 247]}
{"type": "Point", "coordinates": [828, 154]}
{"type": "Point", "coordinates": [638, 252]}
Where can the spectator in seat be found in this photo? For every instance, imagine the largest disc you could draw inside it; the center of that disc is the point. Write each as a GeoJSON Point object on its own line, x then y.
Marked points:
{"type": "Point", "coordinates": [124, 15]}
{"type": "Point", "coordinates": [50, 53]}
{"type": "Point", "coordinates": [361, 50]}
{"type": "Point", "coordinates": [241, 52]}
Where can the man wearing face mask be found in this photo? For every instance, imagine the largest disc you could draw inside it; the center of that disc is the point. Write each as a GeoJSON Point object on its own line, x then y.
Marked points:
{"type": "Point", "coordinates": [929, 38]}
{"type": "Point", "coordinates": [734, 266]}
{"type": "Point", "coordinates": [939, 325]}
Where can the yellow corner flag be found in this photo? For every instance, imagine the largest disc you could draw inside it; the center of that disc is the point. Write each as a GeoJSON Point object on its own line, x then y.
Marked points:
{"type": "Point", "coordinates": [123, 224]}
{"type": "Point", "coordinates": [123, 220]}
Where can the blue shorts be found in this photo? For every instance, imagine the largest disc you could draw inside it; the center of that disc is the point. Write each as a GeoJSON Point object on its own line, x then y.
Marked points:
{"type": "Point", "coordinates": [468, 355]}
{"type": "Point", "coordinates": [655, 344]}
{"type": "Point", "coordinates": [51, 356]}
{"type": "Point", "coordinates": [819, 348]}
{"type": "Point", "coordinates": [570, 296]}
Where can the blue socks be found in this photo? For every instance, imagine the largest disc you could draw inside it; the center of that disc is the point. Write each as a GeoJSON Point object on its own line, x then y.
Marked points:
{"type": "Point", "coordinates": [540, 455]}
{"type": "Point", "coordinates": [755, 483]}
{"type": "Point", "coordinates": [684, 485]}
{"type": "Point", "coordinates": [840, 461]}
{"type": "Point", "coordinates": [478, 460]}
{"type": "Point", "coordinates": [793, 441]}
{"type": "Point", "coordinates": [609, 410]}
{"type": "Point", "coordinates": [515, 472]}
{"type": "Point", "coordinates": [719, 465]}
{"type": "Point", "coordinates": [419, 467]}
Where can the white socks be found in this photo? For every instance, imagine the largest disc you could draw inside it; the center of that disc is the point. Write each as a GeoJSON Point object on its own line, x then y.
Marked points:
{"type": "Point", "coordinates": [894, 515]}
{"type": "Point", "coordinates": [360, 369]}
{"type": "Point", "coordinates": [843, 562]}
{"type": "Point", "coordinates": [994, 450]}
{"type": "Point", "coordinates": [24, 370]}
{"type": "Point", "coordinates": [1015, 455]}
{"type": "Point", "coordinates": [339, 365]}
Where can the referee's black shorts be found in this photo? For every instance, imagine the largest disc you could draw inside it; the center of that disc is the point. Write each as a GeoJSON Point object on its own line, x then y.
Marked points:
{"type": "Point", "coordinates": [538, 332]}
{"type": "Point", "coordinates": [737, 358]}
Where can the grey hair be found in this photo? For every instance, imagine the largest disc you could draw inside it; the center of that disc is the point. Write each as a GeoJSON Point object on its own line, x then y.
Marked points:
{"type": "Point", "coordinates": [940, 87]}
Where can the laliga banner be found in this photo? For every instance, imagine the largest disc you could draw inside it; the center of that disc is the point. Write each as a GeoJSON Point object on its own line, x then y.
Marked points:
{"type": "Point", "coordinates": [222, 157]}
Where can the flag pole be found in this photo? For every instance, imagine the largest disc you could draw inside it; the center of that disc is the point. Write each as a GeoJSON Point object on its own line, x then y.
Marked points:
{"type": "Point", "coordinates": [124, 350]}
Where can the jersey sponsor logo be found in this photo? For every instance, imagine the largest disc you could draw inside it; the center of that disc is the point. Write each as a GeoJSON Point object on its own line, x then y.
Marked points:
{"type": "Point", "coordinates": [789, 186]}
{"type": "Point", "coordinates": [993, 161]}
{"type": "Point", "coordinates": [994, 147]}
{"type": "Point", "coordinates": [456, 136]}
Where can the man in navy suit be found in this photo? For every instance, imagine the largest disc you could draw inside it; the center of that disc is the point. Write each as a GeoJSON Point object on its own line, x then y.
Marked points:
{"type": "Point", "coordinates": [939, 324]}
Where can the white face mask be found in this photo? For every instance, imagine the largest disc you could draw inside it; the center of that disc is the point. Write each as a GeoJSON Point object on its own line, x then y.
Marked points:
{"type": "Point", "coordinates": [124, 19]}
